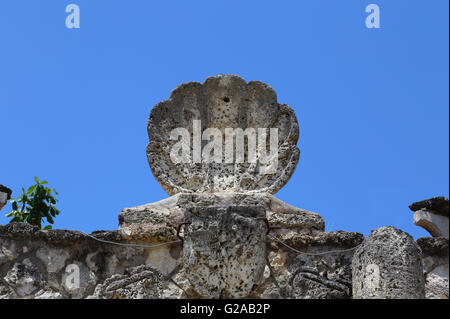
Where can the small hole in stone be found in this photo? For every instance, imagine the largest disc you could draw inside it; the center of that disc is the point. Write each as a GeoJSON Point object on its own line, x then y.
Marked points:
{"type": "Point", "coordinates": [226, 99]}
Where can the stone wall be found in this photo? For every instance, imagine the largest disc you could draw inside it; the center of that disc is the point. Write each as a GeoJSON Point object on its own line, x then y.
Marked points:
{"type": "Point", "coordinates": [225, 252]}
{"type": "Point", "coordinates": [435, 264]}
{"type": "Point", "coordinates": [44, 264]}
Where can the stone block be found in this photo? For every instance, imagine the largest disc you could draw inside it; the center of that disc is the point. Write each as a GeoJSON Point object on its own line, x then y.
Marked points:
{"type": "Point", "coordinates": [224, 252]}
{"type": "Point", "coordinates": [437, 225]}
{"type": "Point", "coordinates": [388, 265]}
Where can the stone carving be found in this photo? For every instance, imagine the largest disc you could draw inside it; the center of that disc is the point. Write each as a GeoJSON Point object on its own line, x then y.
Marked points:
{"type": "Point", "coordinates": [308, 283]}
{"type": "Point", "coordinates": [313, 277]}
{"type": "Point", "coordinates": [142, 282]}
{"type": "Point", "coordinates": [224, 252]}
{"type": "Point", "coordinates": [155, 221]}
{"type": "Point", "coordinates": [388, 265]}
{"type": "Point", "coordinates": [223, 101]}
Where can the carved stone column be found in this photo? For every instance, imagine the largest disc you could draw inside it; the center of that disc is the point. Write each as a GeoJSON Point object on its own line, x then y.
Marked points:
{"type": "Point", "coordinates": [388, 265]}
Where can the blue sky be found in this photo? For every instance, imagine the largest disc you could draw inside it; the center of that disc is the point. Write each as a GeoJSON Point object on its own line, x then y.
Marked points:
{"type": "Point", "coordinates": [372, 104]}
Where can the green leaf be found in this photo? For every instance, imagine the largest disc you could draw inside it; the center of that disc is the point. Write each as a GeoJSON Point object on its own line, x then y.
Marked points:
{"type": "Point", "coordinates": [36, 205]}
{"type": "Point", "coordinates": [48, 227]}
{"type": "Point", "coordinates": [31, 189]}
{"type": "Point", "coordinates": [50, 219]}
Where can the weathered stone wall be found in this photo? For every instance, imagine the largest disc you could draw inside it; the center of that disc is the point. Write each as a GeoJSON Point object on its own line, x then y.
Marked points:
{"type": "Point", "coordinates": [39, 264]}
{"type": "Point", "coordinates": [225, 254]}
{"type": "Point", "coordinates": [435, 264]}
{"type": "Point", "coordinates": [433, 215]}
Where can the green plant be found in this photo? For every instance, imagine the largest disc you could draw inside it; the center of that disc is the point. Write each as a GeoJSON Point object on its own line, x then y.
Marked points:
{"type": "Point", "coordinates": [37, 203]}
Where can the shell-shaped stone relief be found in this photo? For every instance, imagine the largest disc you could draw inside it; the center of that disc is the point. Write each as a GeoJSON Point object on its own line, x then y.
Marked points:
{"type": "Point", "coordinates": [221, 103]}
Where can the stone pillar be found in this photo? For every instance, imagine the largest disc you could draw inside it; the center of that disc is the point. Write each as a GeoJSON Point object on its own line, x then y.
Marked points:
{"type": "Point", "coordinates": [5, 194]}
{"type": "Point", "coordinates": [224, 252]}
{"type": "Point", "coordinates": [388, 265]}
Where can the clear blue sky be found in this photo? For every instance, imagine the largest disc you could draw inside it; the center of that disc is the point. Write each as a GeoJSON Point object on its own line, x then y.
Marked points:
{"type": "Point", "coordinates": [372, 103]}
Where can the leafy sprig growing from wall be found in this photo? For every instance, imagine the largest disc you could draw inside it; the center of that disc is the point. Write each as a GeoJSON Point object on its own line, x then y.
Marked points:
{"type": "Point", "coordinates": [37, 203]}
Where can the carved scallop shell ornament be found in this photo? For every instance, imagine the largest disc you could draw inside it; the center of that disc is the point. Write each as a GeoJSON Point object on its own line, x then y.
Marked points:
{"type": "Point", "coordinates": [192, 125]}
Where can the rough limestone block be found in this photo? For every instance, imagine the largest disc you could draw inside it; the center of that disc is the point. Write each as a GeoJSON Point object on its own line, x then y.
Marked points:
{"type": "Point", "coordinates": [388, 265]}
{"type": "Point", "coordinates": [142, 282]}
{"type": "Point", "coordinates": [435, 263]}
{"type": "Point", "coordinates": [158, 221]}
{"type": "Point", "coordinates": [3, 199]}
{"type": "Point", "coordinates": [224, 252]}
{"type": "Point", "coordinates": [436, 225]}
{"type": "Point", "coordinates": [438, 204]}
{"type": "Point", "coordinates": [223, 101]}
{"type": "Point", "coordinates": [432, 214]}
{"type": "Point", "coordinates": [24, 278]}
{"type": "Point", "coordinates": [53, 259]}
{"type": "Point", "coordinates": [308, 283]}
{"type": "Point", "coordinates": [302, 276]}
{"type": "Point", "coordinates": [5, 195]}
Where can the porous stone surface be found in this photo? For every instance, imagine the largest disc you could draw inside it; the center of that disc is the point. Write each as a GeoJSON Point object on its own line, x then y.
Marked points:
{"type": "Point", "coordinates": [224, 251]}
{"type": "Point", "coordinates": [436, 224]}
{"type": "Point", "coordinates": [158, 220]}
{"type": "Point", "coordinates": [141, 282]}
{"type": "Point", "coordinates": [314, 273]}
{"type": "Point", "coordinates": [432, 215]}
{"type": "Point", "coordinates": [39, 264]}
{"type": "Point", "coordinates": [2, 200]}
{"type": "Point", "coordinates": [388, 266]}
{"type": "Point", "coordinates": [308, 282]}
{"type": "Point", "coordinates": [5, 195]}
{"type": "Point", "coordinates": [435, 263]}
{"type": "Point", "coordinates": [24, 278]}
{"type": "Point", "coordinates": [439, 204]}
{"type": "Point", "coordinates": [223, 101]}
